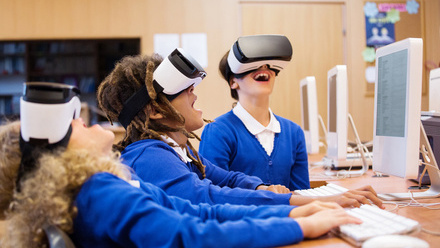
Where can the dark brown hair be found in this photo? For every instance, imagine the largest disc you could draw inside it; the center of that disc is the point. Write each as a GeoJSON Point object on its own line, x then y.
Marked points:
{"type": "Point", "coordinates": [129, 75]}
{"type": "Point", "coordinates": [227, 74]}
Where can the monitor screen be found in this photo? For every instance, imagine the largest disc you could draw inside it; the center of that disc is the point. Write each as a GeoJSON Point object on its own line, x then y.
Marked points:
{"type": "Point", "coordinates": [309, 113]}
{"type": "Point", "coordinates": [333, 110]}
{"type": "Point", "coordinates": [305, 102]}
{"type": "Point", "coordinates": [337, 113]}
{"type": "Point", "coordinates": [391, 94]}
{"type": "Point", "coordinates": [397, 107]}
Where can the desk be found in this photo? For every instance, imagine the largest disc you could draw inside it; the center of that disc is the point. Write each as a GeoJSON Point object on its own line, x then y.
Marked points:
{"type": "Point", "coordinates": [429, 219]}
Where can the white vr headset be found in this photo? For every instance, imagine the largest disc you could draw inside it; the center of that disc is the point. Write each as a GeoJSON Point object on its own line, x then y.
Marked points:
{"type": "Point", "coordinates": [176, 72]}
{"type": "Point", "coordinates": [47, 111]}
{"type": "Point", "coordinates": [46, 114]}
{"type": "Point", "coordinates": [249, 53]}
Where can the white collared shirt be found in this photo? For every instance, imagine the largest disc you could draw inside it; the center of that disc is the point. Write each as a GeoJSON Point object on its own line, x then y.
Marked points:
{"type": "Point", "coordinates": [265, 135]}
{"type": "Point", "coordinates": [179, 150]}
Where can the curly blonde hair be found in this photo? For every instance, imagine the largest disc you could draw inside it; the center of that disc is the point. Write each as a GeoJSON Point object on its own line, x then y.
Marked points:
{"type": "Point", "coordinates": [129, 75]}
{"type": "Point", "coordinates": [47, 194]}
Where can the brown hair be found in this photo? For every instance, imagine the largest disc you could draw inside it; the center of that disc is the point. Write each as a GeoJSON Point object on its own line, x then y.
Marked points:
{"type": "Point", "coordinates": [227, 74]}
{"type": "Point", "coordinates": [129, 75]}
{"type": "Point", "coordinates": [48, 192]}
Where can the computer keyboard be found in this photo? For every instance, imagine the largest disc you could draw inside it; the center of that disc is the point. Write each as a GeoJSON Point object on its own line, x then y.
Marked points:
{"type": "Point", "coordinates": [326, 190]}
{"type": "Point", "coordinates": [376, 222]}
{"type": "Point", "coordinates": [357, 155]}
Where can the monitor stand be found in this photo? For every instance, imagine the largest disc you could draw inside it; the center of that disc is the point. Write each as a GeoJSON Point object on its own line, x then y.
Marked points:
{"type": "Point", "coordinates": [324, 131]}
{"type": "Point", "coordinates": [322, 142]}
{"type": "Point", "coordinates": [433, 172]}
{"type": "Point", "coordinates": [360, 147]}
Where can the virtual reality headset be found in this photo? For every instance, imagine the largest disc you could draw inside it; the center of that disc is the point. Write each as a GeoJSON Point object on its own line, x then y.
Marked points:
{"type": "Point", "coordinates": [176, 72]}
{"type": "Point", "coordinates": [249, 53]}
{"type": "Point", "coordinates": [47, 111]}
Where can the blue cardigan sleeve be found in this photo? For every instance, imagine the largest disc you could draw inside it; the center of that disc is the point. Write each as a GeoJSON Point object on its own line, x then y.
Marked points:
{"type": "Point", "coordinates": [160, 166]}
{"type": "Point", "coordinates": [232, 179]}
{"type": "Point", "coordinates": [113, 213]}
{"type": "Point", "coordinates": [217, 145]}
{"type": "Point", "coordinates": [299, 176]}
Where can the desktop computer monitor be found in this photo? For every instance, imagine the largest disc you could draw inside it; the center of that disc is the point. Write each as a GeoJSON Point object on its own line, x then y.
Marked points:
{"type": "Point", "coordinates": [434, 91]}
{"type": "Point", "coordinates": [400, 141]}
{"type": "Point", "coordinates": [309, 113]}
{"type": "Point", "coordinates": [397, 107]}
{"type": "Point", "coordinates": [337, 113]}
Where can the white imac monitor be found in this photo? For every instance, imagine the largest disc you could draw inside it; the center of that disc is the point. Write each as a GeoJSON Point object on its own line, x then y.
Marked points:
{"type": "Point", "coordinates": [397, 106]}
{"type": "Point", "coordinates": [434, 91]}
{"type": "Point", "coordinates": [399, 138]}
{"type": "Point", "coordinates": [337, 113]}
{"type": "Point", "coordinates": [309, 113]}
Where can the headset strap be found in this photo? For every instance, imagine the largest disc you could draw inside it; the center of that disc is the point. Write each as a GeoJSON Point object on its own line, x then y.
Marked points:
{"type": "Point", "coordinates": [135, 103]}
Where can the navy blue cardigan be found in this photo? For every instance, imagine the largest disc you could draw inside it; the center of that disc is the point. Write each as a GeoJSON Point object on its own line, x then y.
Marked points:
{"type": "Point", "coordinates": [112, 213]}
{"type": "Point", "coordinates": [228, 144]}
{"type": "Point", "coordinates": [156, 162]}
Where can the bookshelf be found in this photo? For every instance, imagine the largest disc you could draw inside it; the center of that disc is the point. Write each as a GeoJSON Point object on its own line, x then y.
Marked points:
{"type": "Point", "coordinates": [80, 62]}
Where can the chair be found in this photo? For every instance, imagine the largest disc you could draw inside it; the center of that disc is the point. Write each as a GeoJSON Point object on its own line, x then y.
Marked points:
{"type": "Point", "coordinates": [57, 238]}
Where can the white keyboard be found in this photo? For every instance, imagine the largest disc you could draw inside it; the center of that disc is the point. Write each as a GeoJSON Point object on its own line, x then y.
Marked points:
{"type": "Point", "coordinates": [376, 222]}
{"type": "Point", "coordinates": [357, 155]}
{"type": "Point", "coordinates": [326, 190]}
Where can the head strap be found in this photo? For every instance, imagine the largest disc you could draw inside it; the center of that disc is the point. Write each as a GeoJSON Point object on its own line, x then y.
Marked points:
{"type": "Point", "coordinates": [175, 73]}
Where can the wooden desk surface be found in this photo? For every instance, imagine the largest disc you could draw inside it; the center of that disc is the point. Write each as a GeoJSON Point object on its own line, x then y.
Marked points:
{"type": "Point", "coordinates": [429, 219]}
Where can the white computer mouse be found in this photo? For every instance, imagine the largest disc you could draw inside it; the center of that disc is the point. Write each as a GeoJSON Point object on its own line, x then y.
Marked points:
{"type": "Point", "coordinates": [395, 241]}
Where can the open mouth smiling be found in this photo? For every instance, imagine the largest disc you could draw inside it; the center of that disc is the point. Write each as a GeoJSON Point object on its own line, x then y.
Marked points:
{"type": "Point", "coordinates": [261, 76]}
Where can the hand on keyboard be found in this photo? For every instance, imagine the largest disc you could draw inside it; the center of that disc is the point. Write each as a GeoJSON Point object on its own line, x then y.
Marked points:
{"type": "Point", "coordinates": [342, 196]}
{"type": "Point", "coordinates": [278, 188]}
{"type": "Point", "coordinates": [355, 198]}
{"type": "Point", "coordinates": [376, 222]}
{"type": "Point", "coordinates": [312, 208]}
{"type": "Point", "coordinates": [323, 221]}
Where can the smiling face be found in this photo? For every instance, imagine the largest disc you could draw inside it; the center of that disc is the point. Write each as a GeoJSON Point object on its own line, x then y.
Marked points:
{"type": "Point", "coordinates": [93, 138]}
{"type": "Point", "coordinates": [255, 84]}
{"type": "Point", "coordinates": [184, 104]}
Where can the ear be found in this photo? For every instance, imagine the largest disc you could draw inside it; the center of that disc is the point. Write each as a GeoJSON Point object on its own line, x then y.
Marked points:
{"type": "Point", "coordinates": [233, 84]}
{"type": "Point", "coordinates": [154, 115]}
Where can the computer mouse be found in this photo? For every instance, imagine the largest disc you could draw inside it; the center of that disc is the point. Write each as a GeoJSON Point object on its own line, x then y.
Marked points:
{"type": "Point", "coordinates": [395, 241]}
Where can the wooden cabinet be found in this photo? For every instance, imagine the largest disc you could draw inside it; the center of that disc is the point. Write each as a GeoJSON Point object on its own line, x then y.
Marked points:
{"type": "Point", "coordinates": [80, 62]}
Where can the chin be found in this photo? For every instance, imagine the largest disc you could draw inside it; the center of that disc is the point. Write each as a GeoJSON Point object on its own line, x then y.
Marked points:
{"type": "Point", "coordinates": [195, 127]}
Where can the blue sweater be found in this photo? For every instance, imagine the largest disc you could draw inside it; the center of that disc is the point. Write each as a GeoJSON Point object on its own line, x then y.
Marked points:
{"type": "Point", "coordinates": [228, 144]}
{"type": "Point", "coordinates": [112, 213]}
{"type": "Point", "coordinates": [156, 162]}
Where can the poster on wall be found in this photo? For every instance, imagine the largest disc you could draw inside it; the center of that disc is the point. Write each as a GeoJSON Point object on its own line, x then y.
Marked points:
{"type": "Point", "coordinates": [379, 30]}
{"type": "Point", "coordinates": [380, 20]}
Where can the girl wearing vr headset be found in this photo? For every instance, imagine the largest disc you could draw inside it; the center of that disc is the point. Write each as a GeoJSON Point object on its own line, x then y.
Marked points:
{"type": "Point", "coordinates": [154, 101]}
{"type": "Point", "coordinates": [66, 175]}
{"type": "Point", "coordinates": [250, 138]}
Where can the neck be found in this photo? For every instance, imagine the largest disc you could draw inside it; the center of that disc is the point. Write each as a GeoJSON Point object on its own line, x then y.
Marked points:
{"type": "Point", "coordinates": [258, 108]}
{"type": "Point", "coordinates": [179, 137]}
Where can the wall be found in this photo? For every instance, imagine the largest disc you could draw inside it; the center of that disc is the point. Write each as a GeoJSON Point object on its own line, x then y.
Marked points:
{"type": "Point", "coordinates": [361, 104]}
{"type": "Point", "coordinates": [54, 19]}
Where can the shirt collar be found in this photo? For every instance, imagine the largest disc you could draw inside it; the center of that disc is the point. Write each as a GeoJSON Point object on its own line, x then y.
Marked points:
{"type": "Point", "coordinates": [179, 150]}
{"type": "Point", "coordinates": [252, 125]}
